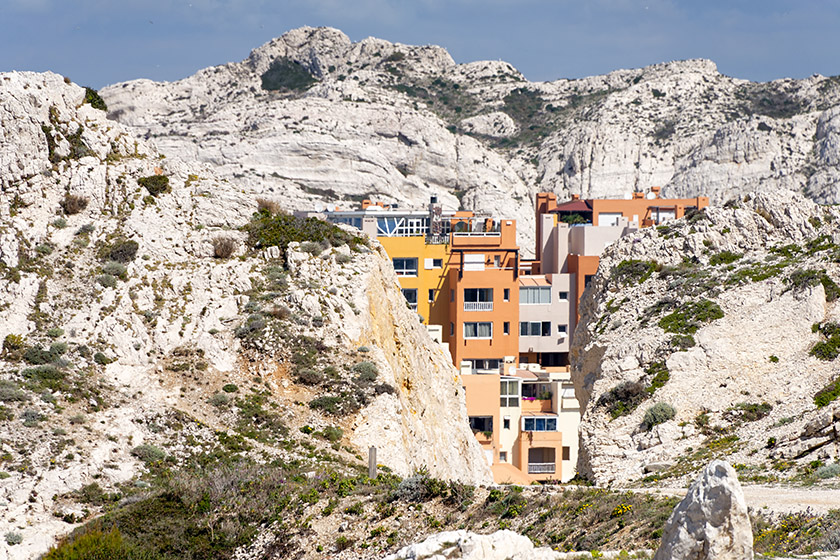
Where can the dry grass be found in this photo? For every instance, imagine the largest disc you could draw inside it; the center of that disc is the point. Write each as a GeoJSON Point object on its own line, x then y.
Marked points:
{"type": "Point", "coordinates": [73, 203]}
{"type": "Point", "coordinates": [272, 206]}
{"type": "Point", "coordinates": [224, 246]}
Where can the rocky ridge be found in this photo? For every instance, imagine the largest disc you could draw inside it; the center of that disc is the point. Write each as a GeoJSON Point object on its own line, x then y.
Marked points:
{"type": "Point", "coordinates": [126, 342]}
{"type": "Point", "coordinates": [399, 123]}
{"type": "Point", "coordinates": [718, 317]}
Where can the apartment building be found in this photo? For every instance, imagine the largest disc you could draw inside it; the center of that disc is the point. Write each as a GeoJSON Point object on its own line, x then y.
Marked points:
{"type": "Point", "coordinates": [508, 322]}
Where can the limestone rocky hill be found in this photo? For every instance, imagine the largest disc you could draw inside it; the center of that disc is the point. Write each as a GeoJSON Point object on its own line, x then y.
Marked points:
{"type": "Point", "coordinates": [343, 121]}
{"type": "Point", "coordinates": [729, 317]}
{"type": "Point", "coordinates": [143, 329]}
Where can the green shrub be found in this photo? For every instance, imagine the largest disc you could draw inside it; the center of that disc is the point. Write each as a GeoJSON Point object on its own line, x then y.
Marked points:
{"type": "Point", "coordinates": [107, 281]}
{"type": "Point", "coordinates": [329, 404]}
{"type": "Point", "coordinates": [623, 398]}
{"type": "Point", "coordinates": [724, 257]}
{"type": "Point", "coordinates": [13, 346]}
{"type": "Point", "coordinates": [634, 271]}
{"type": "Point", "coordinates": [309, 376]}
{"type": "Point", "coordinates": [119, 250]}
{"type": "Point", "coordinates": [367, 371]}
{"type": "Point", "coordinates": [10, 392]}
{"type": "Point", "coordinates": [102, 359]}
{"type": "Point", "coordinates": [827, 394]}
{"type": "Point", "coordinates": [287, 75]}
{"type": "Point", "coordinates": [660, 374]}
{"type": "Point", "coordinates": [691, 316]}
{"type": "Point", "coordinates": [230, 388]}
{"type": "Point", "coordinates": [267, 229]}
{"type": "Point", "coordinates": [750, 412]}
{"type": "Point", "coordinates": [155, 184]}
{"type": "Point", "coordinates": [658, 413]}
{"type": "Point", "coordinates": [341, 258]}
{"type": "Point", "coordinates": [59, 223]}
{"type": "Point", "coordinates": [94, 544]}
{"type": "Point", "coordinates": [219, 400]}
{"type": "Point", "coordinates": [331, 433]}
{"type": "Point", "coordinates": [45, 376]}
{"type": "Point", "coordinates": [37, 355]}
{"type": "Point", "coordinates": [828, 471]}
{"type": "Point", "coordinates": [31, 418]}
{"type": "Point", "coordinates": [773, 359]}
{"type": "Point", "coordinates": [55, 332]}
{"type": "Point", "coordinates": [311, 247]}
{"type": "Point", "coordinates": [113, 268]}
{"type": "Point", "coordinates": [829, 348]}
{"type": "Point", "coordinates": [92, 96]}
{"type": "Point", "coordinates": [343, 543]}
{"type": "Point", "coordinates": [148, 453]}
{"type": "Point", "coordinates": [13, 539]}
{"type": "Point", "coordinates": [252, 327]}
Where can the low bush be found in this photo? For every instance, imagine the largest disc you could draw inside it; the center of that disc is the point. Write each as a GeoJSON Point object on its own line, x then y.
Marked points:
{"type": "Point", "coordinates": [331, 433]}
{"type": "Point", "coordinates": [269, 206]}
{"type": "Point", "coordinates": [102, 359]}
{"type": "Point", "coordinates": [724, 257]}
{"type": "Point", "coordinates": [311, 247]}
{"type": "Point", "coordinates": [148, 453]}
{"type": "Point", "coordinates": [828, 471]}
{"type": "Point", "coordinates": [155, 184]}
{"type": "Point", "coordinates": [113, 268]}
{"type": "Point", "coordinates": [367, 371]}
{"type": "Point", "coordinates": [691, 316]}
{"type": "Point", "coordinates": [224, 246]}
{"type": "Point", "coordinates": [219, 400]}
{"type": "Point", "coordinates": [10, 392]}
{"type": "Point", "coordinates": [45, 377]}
{"type": "Point", "coordinates": [308, 376]}
{"type": "Point", "coordinates": [13, 538]}
{"type": "Point", "coordinates": [828, 348]}
{"type": "Point", "coordinates": [658, 413]}
{"type": "Point", "coordinates": [230, 388]}
{"type": "Point", "coordinates": [13, 346]}
{"type": "Point", "coordinates": [634, 271]}
{"type": "Point", "coordinates": [74, 203]}
{"type": "Point", "coordinates": [286, 75]}
{"type": "Point", "coordinates": [107, 281]}
{"type": "Point", "coordinates": [92, 96]}
{"type": "Point", "coordinates": [827, 394]}
{"type": "Point", "coordinates": [341, 258]}
{"type": "Point", "coordinates": [119, 250]}
{"type": "Point", "coordinates": [268, 229]}
{"type": "Point", "coordinates": [623, 398]}
{"type": "Point", "coordinates": [37, 355]}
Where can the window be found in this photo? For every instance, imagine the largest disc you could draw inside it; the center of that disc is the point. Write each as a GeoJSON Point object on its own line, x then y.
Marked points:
{"type": "Point", "coordinates": [509, 391]}
{"type": "Point", "coordinates": [451, 329]}
{"type": "Point", "coordinates": [506, 327]}
{"type": "Point", "coordinates": [562, 329]}
{"type": "Point", "coordinates": [474, 295]}
{"type": "Point", "coordinates": [405, 267]}
{"type": "Point", "coordinates": [567, 453]}
{"type": "Point", "coordinates": [535, 295]}
{"type": "Point", "coordinates": [411, 297]}
{"type": "Point", "coordinates": [563, 296]}
{"type": "Point", "coordinates": [535, 328]}
{"type": "Point", "coordinates": [484, 366]}
{"type": "Point", "coordinates": [481, 423]}
{"type": "Point", "coordinates": [507, 294]}
{"type": "Point", "coordinates": [531, 424]}
{"type": "Point", "coordinates": [503, 456]}
{"type": "Point", "coordinates": [451, 295]}
{"type": "Point", "coordinates": [587, 279]}
{"type": "Point", "coordinates": [506, 422]}
{"type": "Point", "coordinates": [437, 263]}
{"type": "Point", "coordinates": [497, 261]}
{"type": "Point", "coordinates": [431, 295]}
{"type": "Point", "coordinates": [401, 226]}
{"type": "Point", "coordinates": [483, 329]}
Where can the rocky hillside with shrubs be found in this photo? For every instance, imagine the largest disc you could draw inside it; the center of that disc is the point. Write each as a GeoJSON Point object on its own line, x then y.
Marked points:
{"type": "Point", "coordinates": [325, 120]}
{"type": "Point", "coordinates": [175, 346]}
{"type": "Point", "coordinates": [715, 336]}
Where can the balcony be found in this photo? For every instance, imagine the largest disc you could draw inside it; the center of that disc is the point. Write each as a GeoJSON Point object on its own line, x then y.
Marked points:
{"type": "Point", "coordinates": [541, 468]}
{"type": "Point", "coordinates": [478, 306]}
{"type": "Point", "coordinates": [432, 239]}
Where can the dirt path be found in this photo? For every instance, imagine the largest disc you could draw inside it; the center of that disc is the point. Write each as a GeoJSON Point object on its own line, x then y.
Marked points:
{"type": "Point", "coordinates": [776, 499]}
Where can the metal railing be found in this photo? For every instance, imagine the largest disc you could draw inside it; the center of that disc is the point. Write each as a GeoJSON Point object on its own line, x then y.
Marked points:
{"type": "Point", "coordinates": [540, 468]}
{"type": "Point", "coordinates": [477, 233]}
{"type": "Point", "coordinates": [478, 306]}
{"type": "Point", "coordinates": [437, 239]}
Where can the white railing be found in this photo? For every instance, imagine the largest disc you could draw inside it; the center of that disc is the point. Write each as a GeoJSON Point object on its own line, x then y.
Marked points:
{"type": "Point", "coordinates": [478, 306]}
{"type": "Point", "coordinates": [540, 468]}
{"type": "Point", "coordinates": [477, 233]}
{"type": "Point", "coordinates": [437, 239]}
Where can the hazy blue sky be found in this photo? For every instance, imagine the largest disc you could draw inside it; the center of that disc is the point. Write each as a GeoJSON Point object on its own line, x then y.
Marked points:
{"type": "Point", "coordinates": [99, 42]}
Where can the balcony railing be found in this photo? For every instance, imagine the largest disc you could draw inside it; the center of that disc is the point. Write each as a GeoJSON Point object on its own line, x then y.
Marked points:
{"type": "Point", "coordinates": [477, 233]}
{"type": "Point", "coordinates": [540, 468]}
{"type": "Point", "coordinates": [437, 239]}
{"type": "Point", "coordinates": [478, 306]}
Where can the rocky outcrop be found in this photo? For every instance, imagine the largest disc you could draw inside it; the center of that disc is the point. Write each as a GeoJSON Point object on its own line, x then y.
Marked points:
{"type": "Point", "coordinates": [109, 281]}
{"type": "Point", "coordinates": [714, 315]}
{"type": "Point", "coordinates": [400, 122]}
{"type": "Point", "coordinates": [711, 522]}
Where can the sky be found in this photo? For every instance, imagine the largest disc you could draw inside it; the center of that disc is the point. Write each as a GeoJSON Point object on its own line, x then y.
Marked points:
{"type": "Point", "coordinates": [101, 42]}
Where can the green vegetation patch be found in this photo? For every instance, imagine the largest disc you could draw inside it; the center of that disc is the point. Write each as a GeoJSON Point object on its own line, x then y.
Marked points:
{"type": "Point", "coordinates": [155, 184]}
{"type": "Point", "coordinates": [828, 348]}
{"type": "Point", "coordinates": [267, 229]}
{"type": "Point", "coordinates": [94, 99]}
{"type": "Point", "coordinates": [287, 75]}
{"type": "Point", "coordinates": [724, 257]}
{"type": "Point", "coordinates": [634, 271]}
{"type": "Point", "coordinates": [659, 413]}
{"type": "Point", "coordinates": [690, 317]}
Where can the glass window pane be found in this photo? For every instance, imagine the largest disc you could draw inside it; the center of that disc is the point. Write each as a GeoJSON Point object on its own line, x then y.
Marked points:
{"type": "Point", "coordinates": [529, 424]}
{"type": "Point", "coordinates": [551, 424]}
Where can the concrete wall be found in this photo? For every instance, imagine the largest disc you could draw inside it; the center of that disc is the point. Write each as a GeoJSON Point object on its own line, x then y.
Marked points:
{"type": "Point", "coordinates": [558, 312]}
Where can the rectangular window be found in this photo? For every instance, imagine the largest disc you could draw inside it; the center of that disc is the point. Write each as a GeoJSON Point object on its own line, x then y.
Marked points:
{"type": "Point", "coordinates": [506, 422]}
{"type": "Point", "coordinates": [535, 295]}
{"type": "Point", "coordinates": [451, 329]}
{"type": "Point", "coordinates": [484, 366]}
{"type": "Point", "coordinates": [451, 295]}
{"type": "Point", "coordinates": [562, 329]}
{"type": "Point", "coordinates": [506, 327]}
{"type": "Point", "coordinates": [509, 391]}
{"type": "Point", "coordinates": [535, 328]}
{"type": "Point", "coordinates": [538, 424]}
{"type": "Point", "coordinates": [410, 295]}
{"type": "Point", "coordinates": [567, 453]}
{"type": "Point", "coordinates": [563, 296]}
{"type": "Point", "coordinates": [503, 456]}
{"type": "Point", "coordinates": [478, 299]}
{"type": "Point", "coordinates": [587, 279]}
{"type": "Point", "coordinates": [507, 294]}
{"type": "Point", "coordinates": [497, 261]}
{"type": "Point", "coordinates": [431, 295]}
{"type": "Point", "coordinates": [437, 263]}
{"type": "Point", "coordinates": [405, 266]}
{"type": "Point", "coordinates": [483, 329]}
{"type": "Point", "coordinates": [481, 423]}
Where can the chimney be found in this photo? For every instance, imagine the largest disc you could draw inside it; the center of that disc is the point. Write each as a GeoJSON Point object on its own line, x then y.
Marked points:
{"type": "Point", "coordinates": [575, 197]}
{"type": "Point", "coordinates": [655, 190]}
